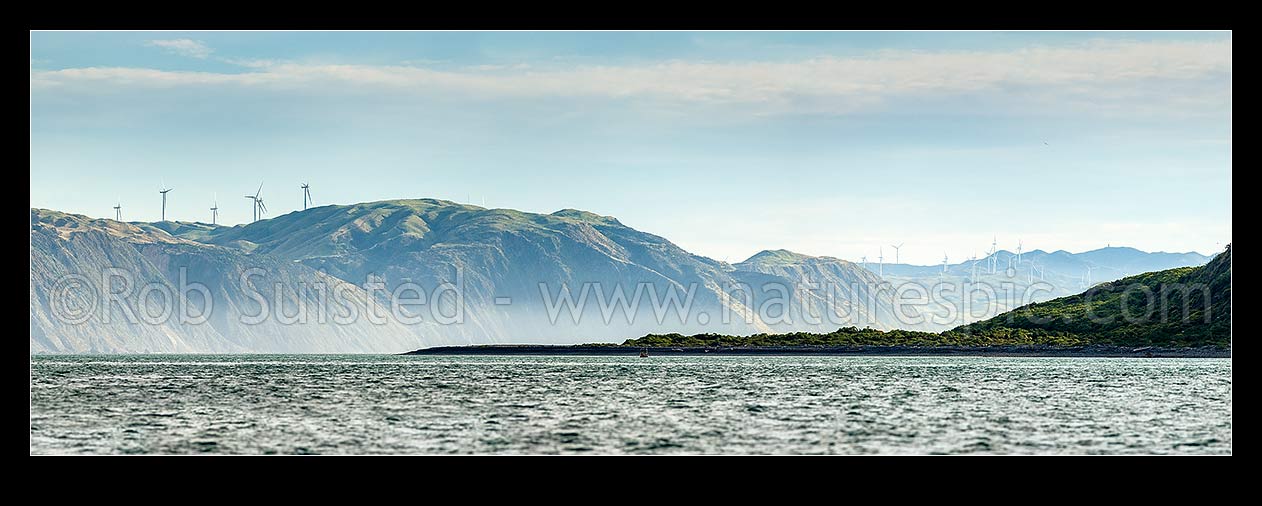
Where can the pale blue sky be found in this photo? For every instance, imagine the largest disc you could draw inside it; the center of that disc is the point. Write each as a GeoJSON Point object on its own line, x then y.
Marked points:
{"type": "Point", "coordinates": [726, 143]}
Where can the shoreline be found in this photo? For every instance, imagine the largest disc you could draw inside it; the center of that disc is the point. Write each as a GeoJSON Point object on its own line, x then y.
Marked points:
{"type": "Point", "coordinates": [904, 351]}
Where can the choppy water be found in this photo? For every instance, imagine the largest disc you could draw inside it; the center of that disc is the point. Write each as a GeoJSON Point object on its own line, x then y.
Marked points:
{"type": "Point", "coordinates": [397, 404]}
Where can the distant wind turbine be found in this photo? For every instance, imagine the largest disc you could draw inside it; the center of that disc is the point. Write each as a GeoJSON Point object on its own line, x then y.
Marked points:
{"type": "Point", "coordinates": [1019, 245]}
{"type": "Point", "coordinates": [880, 262]}
{"type": "Point", "coordinates": [994, 248]}
{"type": "Point", "coordinates": [944, 262]}
{"type": "Point", "coordinates": [1035, 267]}
{"type": "Point", "coordinates": [164, 202]}
{"type": "Point", "coordinates": [896, 248]}
{"type": "Point", "coordinates": [256, 201]}
{"type": "Point", "coordinates": [214, 211]}
{"type": "Point", "coordinates": [306, 195]}
{"type": "Point", "coordinates": [118, 211]}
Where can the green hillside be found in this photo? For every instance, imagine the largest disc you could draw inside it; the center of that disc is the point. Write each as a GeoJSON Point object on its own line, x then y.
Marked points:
{"type": "Point", "coordinates": [1188, 306]}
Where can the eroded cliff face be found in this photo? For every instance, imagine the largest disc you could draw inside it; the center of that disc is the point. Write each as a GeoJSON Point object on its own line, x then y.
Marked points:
{"type": "Point", "coordinates": [77, 263]}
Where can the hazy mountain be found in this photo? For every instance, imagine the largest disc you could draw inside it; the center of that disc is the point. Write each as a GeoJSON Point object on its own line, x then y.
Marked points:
{"type": "Point", "coordinates": [842, 289]}
{"type": "Point", "coordinates": [497, 257]}
{"type": "Point", "coordinates": [1106, 264]}
{"type": "Point", "coordinates": [503, 253]}
{"type": "Point", "coordinates": [1010, 280]}
{"type": "Point", "coordinates": [68, 247]}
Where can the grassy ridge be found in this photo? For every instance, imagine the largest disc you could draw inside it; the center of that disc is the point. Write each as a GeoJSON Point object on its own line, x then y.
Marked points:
{"type": "Point", "coordinates": [1189, 306]}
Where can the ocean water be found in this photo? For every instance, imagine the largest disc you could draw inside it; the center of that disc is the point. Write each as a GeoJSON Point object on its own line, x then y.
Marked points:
{"type": "Point", "coordinates": [258, 404]}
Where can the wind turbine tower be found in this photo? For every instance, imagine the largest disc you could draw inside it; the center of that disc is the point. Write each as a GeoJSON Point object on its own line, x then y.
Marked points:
{"type": "Point", "coordinates": [164, 203]}
{"type": "Point", "coordinates": [896, 248]}
{"type": "Point", "coordinates": [256, 202]}
{"type": "Point", "coordinates": [118, 211]}
{"type": "Point", "coordinates": [214, 212]}
{"type": "Point", "coordinates": [880, 262]}
{"type": "Point", "coordinates": [306, 195]}
{"type": "Point", "coordinates": [994, 248]}
{"type": "Point", "coordinates": [944, 262]}
{"type": "Point", "coordinates": [1019, 252]}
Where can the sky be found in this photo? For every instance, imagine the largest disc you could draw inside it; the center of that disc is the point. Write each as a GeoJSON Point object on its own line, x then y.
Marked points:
{"type": "Point", "coordinates": [726, 143]}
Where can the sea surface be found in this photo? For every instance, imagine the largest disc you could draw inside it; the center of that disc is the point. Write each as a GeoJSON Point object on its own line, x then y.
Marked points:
{"type": "Point", "coordinates": [299, 404]}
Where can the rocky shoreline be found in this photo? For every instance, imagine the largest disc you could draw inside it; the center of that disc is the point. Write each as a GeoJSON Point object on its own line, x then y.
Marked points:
{"type": "Point", "coordinates": [905, 351]}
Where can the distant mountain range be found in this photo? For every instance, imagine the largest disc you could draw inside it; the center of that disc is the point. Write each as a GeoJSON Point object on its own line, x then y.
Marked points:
{"type": "Point", "coordinates": [498, 259]}
{"type": "Point", "coordinates": [1033, 276]}
{"type": "Point", "coordinates": [1105, 264]}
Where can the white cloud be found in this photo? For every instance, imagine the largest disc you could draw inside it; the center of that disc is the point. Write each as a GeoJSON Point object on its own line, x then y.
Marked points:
{"type": "Point", "coordinates": [1117, 75]}
{"type": "Point", "coordinates": [184, 47]}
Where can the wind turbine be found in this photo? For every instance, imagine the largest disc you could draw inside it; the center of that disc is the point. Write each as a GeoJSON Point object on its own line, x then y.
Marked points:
{"type": "Point", "coordinates": [944, 262]}
{"type": "Point", "coordinates": [164, 202]}
{"type": "Point", "coordinates": [896, 248]}
{"type": "Point", "coordinates": [255, 204]}
{"type": "Point", "coordinates": [306, 195]}
{"type": "Point", "coordinates": [974, 259]}
{"type": "Point", "coordinates": [214, 211]}
{"type": "Point", "coordinates": [1019, 252]}
{"type": "Point", "coordinates": [1089, 269]}
{"type": "Point", "coordinates": [994, 248]}
{"type": "Point", "coordinates": [118, 211]}
{"type": "Point", "coordinates": [864, 260]}
{"type": "Point", "coordinates": [880, 262]}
